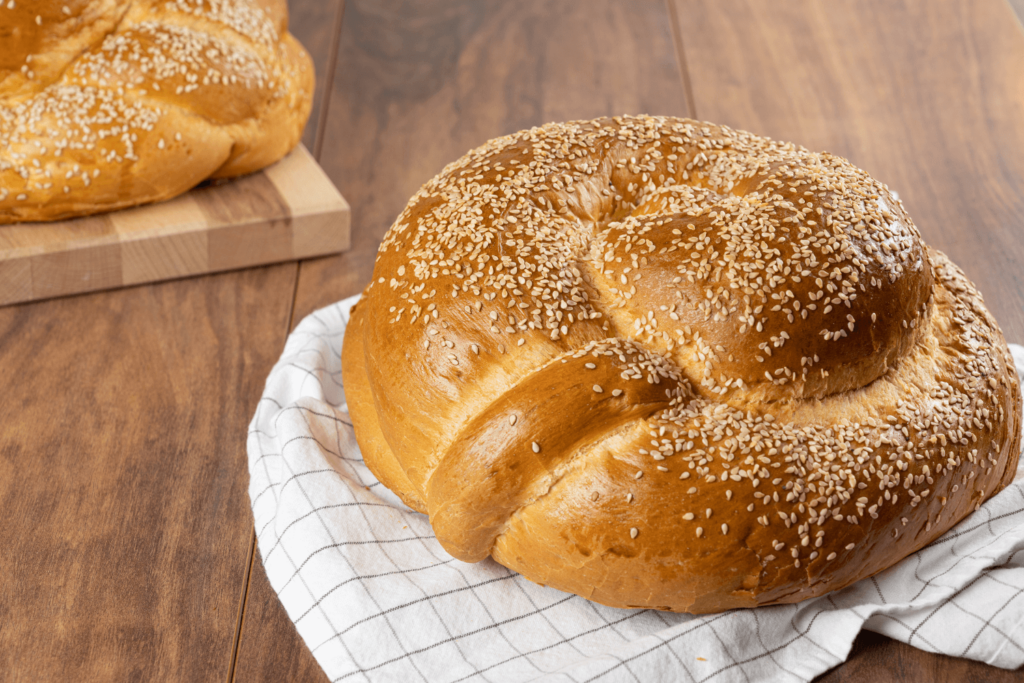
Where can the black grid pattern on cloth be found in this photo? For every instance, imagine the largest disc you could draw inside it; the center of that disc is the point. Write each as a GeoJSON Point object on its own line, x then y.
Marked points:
{"type": "Point", "coordinates": [376, 598]}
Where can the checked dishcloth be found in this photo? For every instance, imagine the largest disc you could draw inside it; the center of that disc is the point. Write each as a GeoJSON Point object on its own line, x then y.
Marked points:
{"type": "Point", "coordinates": [376, 597]}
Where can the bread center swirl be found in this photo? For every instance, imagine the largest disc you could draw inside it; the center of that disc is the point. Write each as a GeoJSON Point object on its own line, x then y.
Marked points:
{"type": "Point", "coordinates": [641, 337]}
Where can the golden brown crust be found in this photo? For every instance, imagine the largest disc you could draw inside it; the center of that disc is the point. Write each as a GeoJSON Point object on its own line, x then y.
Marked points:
{"type": "Point", "coordinates": [110, 104]}
{"type": "Point", "coordinates": [363, 410]}
{"type": "Point", "coordinates": [660, 363]}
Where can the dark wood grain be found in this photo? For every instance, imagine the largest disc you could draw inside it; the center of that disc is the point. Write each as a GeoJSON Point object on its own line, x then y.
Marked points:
{"type": "Point", "coordinates": [417, 85]}
{"type": "Point", "coordinates": [315, 23]}
{"type": "Point", "coordinates": [123, 479]}
{"type": "Point", "coordinates": [877, 659]}
{"type": "Point", "coordinates": [924, 95]}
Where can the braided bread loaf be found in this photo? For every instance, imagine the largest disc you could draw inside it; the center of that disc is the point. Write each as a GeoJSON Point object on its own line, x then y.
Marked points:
{"type": "Point", "coordinates": [661, 363]}
{"type": "Point", "coordinates": [111, 103]}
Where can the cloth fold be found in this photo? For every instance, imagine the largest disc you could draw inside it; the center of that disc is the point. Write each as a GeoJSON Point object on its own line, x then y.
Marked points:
{"type": "Point", "coordinates": [376, 597]}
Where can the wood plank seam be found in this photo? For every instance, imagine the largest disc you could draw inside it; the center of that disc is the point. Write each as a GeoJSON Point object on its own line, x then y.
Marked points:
{"type": "Point", "coordinates": [332, 60]}
{"type": "Point", "coordinates": [684, 71]}
{"type": "Point", "coordinates": [241, 602]}
{"type": "Point", "coordinates": [317, 150]}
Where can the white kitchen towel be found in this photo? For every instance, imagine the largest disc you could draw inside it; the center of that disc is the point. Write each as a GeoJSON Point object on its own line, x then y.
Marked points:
{"type": "Point", "coordinates": [376, 597]}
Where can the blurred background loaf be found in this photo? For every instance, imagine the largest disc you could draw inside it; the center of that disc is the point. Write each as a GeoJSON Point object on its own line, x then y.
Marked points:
{"type": "Point", "coordinates": [106, 104]}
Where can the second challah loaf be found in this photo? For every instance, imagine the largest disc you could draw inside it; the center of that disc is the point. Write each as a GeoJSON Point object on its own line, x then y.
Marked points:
{"type": "Point", "coordinates": [110, 103]}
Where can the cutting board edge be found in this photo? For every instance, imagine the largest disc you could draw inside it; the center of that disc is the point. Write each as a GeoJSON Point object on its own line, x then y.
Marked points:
{"type": "Point", "coordinates": [311, 219]}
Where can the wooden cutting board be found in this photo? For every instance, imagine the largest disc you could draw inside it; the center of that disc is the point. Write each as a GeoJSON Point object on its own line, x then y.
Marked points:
{"type": "Point", "coordinates": [287, 211]}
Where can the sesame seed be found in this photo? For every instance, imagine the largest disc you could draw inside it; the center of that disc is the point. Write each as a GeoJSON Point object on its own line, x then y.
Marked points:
{"type": "Point", "coordinates": [535, 446]}
{"type": "Point", "coordinates": [512, 421]}
{"type": "Point", "coordinates": [634, 532]}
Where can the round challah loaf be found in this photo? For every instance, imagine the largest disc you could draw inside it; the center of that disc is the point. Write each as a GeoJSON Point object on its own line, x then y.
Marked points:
{"type": "Point", "coordinates": [111, 103]}
{"type": "Point", "coordinates": [662, 363]}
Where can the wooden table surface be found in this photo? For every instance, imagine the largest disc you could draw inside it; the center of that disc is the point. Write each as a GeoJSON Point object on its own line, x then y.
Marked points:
{"type": "Point", "coordinates": [127, 546]}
